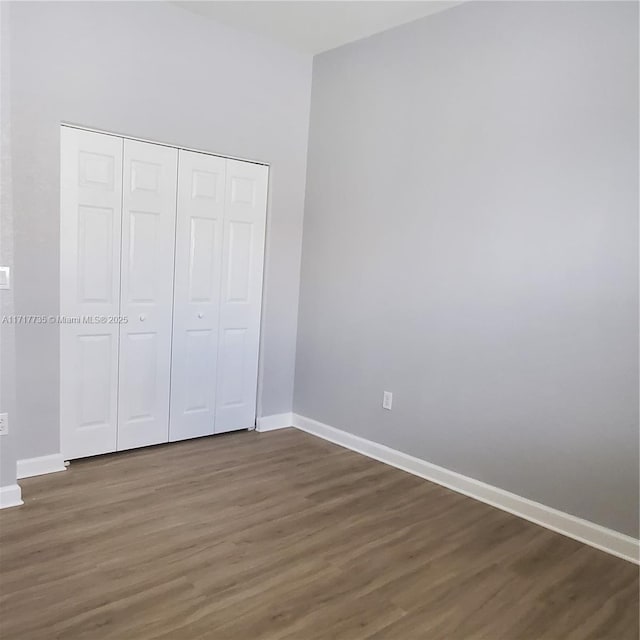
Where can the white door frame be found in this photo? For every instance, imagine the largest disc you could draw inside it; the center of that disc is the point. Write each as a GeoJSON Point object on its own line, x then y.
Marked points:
{"type": "Point", "coordinates": [72, 125]}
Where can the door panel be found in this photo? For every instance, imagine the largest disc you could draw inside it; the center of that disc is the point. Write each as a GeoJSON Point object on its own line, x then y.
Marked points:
{"type": "Point", "coordinates": [144, 235]}
{"type": "Point", "coordinates": [240, 258]}
{"type": "Point", "coordinates": [198, 387]}
{"type": "Point", "coordinates": [95, 253]}
{"type": "Point", "coordinates": [95, 365]}
{"type": "Point", "coordinates": [201, 188]}
{"type": "Point", "coordinates": [241, 294]}
{"type": "Point", "coordinates": [90, 223]}
{"type": "Point", "coordinates": [233, 346]}
{"type": "Point", "coordinates": [142, 362]}
{"type": "Point", "coordinates": [203, 259]}
{"type": "Point", "coordinates": [148, 234]}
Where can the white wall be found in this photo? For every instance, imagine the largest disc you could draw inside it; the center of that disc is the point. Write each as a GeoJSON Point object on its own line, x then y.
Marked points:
{"type": "Point", "coordinates": [7, 332]}
{"type": "Point", "coordinates": [471, 244]}
{"type": "Point", "coordinates": [152, 70]}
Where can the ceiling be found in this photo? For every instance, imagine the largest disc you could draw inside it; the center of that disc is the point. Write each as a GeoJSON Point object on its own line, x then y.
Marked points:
{"type": "Point", "coordinates": [312, 26]}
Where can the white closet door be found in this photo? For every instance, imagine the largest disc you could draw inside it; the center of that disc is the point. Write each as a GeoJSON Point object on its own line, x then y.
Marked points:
{"type": "Point", "coordinates": [201, 182]}
{"type": "Point", "coordinates": [90, 211]}
{"type": "Point", "coordinates": [148, 235]}
{"type": "Point", "coordinates": [241, 295]}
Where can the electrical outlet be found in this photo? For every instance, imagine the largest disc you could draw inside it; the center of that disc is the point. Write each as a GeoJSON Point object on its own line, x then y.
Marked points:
{"type": "Point", "coordinates": [4, 424]}
{"type": "Point", "coordinates": [387, 399]}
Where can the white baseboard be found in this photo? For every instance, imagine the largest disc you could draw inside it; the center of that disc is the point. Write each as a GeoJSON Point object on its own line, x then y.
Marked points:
{"type": "Point", "coordinates": [10, 496]}
{"type": "Point", "coordinates": [613, 542]}
{"type": "Point", "coordinates": [271, 423]}
{"type": "Point", "coordinates": [40, 466]}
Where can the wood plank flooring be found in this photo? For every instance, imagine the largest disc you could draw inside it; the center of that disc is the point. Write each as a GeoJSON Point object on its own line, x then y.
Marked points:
{"type": "Point", "coordinates": [281, 536]}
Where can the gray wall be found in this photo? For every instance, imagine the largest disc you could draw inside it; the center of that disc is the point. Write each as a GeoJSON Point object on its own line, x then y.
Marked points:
{"type": "Point", "coordinates": [470, 243]}
{"type": "Point", "coordinates": [155, 71]}
{"type": "Point", "coordinates": [7, 331]}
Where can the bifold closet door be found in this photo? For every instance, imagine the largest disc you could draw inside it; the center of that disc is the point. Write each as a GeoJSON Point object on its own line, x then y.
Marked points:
{"type": "Point", "coordinates": [148, 236]}
{"type": "Point", "coordinates": [199, 227]}
{"type": "Point", "coordinates": [241, 295]}
{"type": "Point", "coordinates": [172, 241]}
{"type": "Point", "coordinates": [90, 216]}
{"type": "Point", "coordinates": [218, 294]}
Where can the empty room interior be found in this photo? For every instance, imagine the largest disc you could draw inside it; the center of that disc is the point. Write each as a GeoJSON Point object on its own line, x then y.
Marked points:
{"type": "Point", "coordinates": [319, 320]}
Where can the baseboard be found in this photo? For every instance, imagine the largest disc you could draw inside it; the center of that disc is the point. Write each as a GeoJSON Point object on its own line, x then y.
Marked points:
{"type": "Point", "coordinates": [40, 466]}
{"type": "Point", "coordinates": [271, 423]}
{"type": "Point", "coordinates": [613, 542]}
{"type": "Point", "coordinates": [10, 496]}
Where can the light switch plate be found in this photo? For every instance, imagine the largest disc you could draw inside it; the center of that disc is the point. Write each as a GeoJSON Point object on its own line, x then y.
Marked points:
{"type": "Point", "coordinates": [5, 277]}
{"type": "Point", "coordinates": [4, 424]}
{"type": "Point", "coordinates": [387, 400]}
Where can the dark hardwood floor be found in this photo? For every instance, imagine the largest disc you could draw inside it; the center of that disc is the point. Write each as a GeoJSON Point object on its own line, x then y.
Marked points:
{"type": "Point", "coordinates": [280, 535]}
